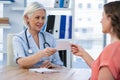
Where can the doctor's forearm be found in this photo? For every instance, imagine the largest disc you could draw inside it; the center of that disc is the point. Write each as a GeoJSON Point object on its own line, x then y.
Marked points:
{"type": "Point", "coordinates": [29, 61]}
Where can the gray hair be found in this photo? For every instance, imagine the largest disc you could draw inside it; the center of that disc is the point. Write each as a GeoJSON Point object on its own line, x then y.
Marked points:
{"type": "Point", "coordinates": [30, 9]}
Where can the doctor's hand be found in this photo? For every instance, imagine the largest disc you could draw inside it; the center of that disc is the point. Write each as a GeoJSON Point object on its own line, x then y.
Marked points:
{"type": "Point", "coordinates": [49, 51]}
{"type": "Point", "coordinates": [47, 64]}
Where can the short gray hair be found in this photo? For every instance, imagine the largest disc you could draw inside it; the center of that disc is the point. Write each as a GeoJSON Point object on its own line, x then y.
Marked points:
{"type": "Point", "coordinates": [30, 9]}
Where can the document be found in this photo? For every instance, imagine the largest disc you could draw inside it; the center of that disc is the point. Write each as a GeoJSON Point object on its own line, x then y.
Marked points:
{"type": "Point", "coordinates": [43, 70]}
{"type": "Point", "coordinates": [63, 45]}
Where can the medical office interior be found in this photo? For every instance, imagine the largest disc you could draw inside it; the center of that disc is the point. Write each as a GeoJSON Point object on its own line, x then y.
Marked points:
{"type": "Point", "coordinates": [85, 26]}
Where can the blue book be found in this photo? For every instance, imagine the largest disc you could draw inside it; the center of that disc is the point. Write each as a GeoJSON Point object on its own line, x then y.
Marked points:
{"type": "Point", "coordinates": [62, 27]}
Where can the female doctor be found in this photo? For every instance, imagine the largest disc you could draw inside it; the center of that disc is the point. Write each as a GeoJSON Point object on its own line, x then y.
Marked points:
{"type": "Point", "coordinates": [32, 47]}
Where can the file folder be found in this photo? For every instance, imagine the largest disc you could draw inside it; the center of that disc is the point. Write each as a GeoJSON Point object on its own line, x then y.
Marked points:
{"type": "Point", "coordinates": [57, 26]}
{"type": "Point", "coordinates": [57, 3]}
{"type": "Point", "coordinates": [66, 3]}
{"type": "Point", "coordinates": [62, 27]}
{"type": "Point", "coordinates": [50, 23]}
{"type": "Point", "coordinates": [70, 27]}
{"type": "Point", "coordinates": [61, 3]}
{"type": "Point", "coordinates": [68, 30]}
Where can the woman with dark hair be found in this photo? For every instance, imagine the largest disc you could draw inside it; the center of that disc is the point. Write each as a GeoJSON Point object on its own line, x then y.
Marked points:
{"type": "Point", "coordinates": [107, 65]}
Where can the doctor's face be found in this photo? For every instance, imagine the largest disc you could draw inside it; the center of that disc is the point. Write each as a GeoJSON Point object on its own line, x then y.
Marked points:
{"type": "Point", "coordinates": [36, 20]}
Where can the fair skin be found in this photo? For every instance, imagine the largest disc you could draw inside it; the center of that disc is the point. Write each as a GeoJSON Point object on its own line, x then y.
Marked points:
{"type": "Point", "coordinates": [104, 72]}
{"type": "Point", "coordinates": [36, 21]}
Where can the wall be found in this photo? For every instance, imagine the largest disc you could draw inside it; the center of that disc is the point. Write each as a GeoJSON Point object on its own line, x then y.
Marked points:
{"type": "Point", "coordinates": [15, 18]}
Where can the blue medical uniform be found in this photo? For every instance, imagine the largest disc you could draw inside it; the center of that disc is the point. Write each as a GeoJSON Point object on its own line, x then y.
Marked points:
{"type": "Point", "coordinates": [20, 47]}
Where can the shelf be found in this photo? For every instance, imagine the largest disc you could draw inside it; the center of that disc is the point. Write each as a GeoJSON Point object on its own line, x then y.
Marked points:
{"type": "Point", "coordinates": [59, 9]}
{"type": "Point", "coordinates": [48, 9]}
{"type": "Point", "coordinates": [5, 2]}
{"type": "Point", "coordinates": [5, 26]}
{"type": "Point", "coordinates": [18, 8]}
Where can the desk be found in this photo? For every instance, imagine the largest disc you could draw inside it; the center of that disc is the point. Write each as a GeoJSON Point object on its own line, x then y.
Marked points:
{"type": "Point", "coordinates": [16, 73]}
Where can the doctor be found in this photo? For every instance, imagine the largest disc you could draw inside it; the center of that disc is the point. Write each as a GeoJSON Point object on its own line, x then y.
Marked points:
{"type": "Point", "coordinates": [32, 47]}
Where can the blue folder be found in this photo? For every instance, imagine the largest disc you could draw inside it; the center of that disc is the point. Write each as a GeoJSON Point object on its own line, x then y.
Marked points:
{"type": "Point", "coordinates": [61, 3]}
{"type": "Point", "coordinates": [70, 27]}
{"type": "Point", "coordinates": [62, 27]}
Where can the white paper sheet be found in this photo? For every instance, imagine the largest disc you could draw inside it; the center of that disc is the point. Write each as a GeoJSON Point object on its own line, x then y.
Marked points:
{"type": "Point", "coordinates": [63, 45]}
{"type": "Point", "coordinates": [43, 70]}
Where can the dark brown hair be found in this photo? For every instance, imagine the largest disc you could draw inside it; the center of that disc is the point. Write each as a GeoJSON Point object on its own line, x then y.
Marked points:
{"type": "Point", "coordinates": [112, 9]}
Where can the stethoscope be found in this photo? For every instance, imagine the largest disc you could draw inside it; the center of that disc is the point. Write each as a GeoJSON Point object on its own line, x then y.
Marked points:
{"type": "Point", "coordinates": [45, 44]}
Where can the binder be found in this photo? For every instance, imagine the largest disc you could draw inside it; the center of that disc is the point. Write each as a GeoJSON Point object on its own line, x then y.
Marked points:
{"type": "Point", "coordinates": [67, 27]}
{"type": "Point", "coordinates": [57, 26]}
{"type": "Point", "coordinates": [62, 27]}
{"type": "Point", "coordinates": [68, 30]}
{"type": "Point", "coordinates": [57, 3]}
{"type": "Point", "coordinates": [70, 27]}
{"type": "Point", "coordinates": [50, 23]}
{"type": "Point", "coordinates": [66, 3]}
{"type": "Point", "coordinates": [61, 3]}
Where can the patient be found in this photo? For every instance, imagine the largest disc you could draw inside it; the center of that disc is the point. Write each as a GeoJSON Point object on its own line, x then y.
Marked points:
{"type": "Point", "coordinates": [107, 65]}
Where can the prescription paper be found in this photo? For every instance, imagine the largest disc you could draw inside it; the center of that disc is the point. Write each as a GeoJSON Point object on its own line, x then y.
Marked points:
{"type": "Point", "coordinates": [43, 70]}
{"type": "Point", "coordinates": [63, 45]}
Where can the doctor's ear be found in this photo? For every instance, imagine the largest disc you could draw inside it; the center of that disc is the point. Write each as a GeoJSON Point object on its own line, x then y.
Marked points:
{"type": "Point", "coordinates": [26, 18]}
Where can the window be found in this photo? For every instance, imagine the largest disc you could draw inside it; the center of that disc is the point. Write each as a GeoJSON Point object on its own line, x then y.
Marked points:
{"type": "Point", "coordinates": [80, 5]}
{"type": "Point", "coordinates": [89, 5]}
{"type": "Point", "coordinates": [87, 29]}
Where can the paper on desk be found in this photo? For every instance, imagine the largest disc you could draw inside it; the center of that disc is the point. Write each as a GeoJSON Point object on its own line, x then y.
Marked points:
{"type": "Point", "coordinates": [63, 45]}
{"type": "Point", "coordinates": [43, 70]}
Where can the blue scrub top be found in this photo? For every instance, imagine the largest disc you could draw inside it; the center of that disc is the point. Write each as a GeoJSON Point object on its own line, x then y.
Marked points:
{"type": "Point", "coordinates": [20, 47]}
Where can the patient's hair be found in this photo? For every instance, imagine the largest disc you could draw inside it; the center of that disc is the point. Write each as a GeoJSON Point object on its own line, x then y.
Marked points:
{"type": "Point", "coordinates": [112, 9]}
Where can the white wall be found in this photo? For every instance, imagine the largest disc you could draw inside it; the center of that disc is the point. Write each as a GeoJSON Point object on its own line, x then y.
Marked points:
{"type": "Point", "coordinates": [15, 17]}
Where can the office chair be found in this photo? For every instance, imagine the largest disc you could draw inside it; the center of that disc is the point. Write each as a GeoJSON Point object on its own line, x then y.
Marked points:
{"type": "Point", "coordinates": [10, 54]}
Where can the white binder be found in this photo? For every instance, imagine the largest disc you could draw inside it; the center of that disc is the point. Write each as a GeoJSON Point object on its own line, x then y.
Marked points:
{"type": "Point", "coordinates": [57, 26]}
{"type": "Point", "coordinates": [57, 3]}
{"type": "Point", "coordinates": [66, 3]}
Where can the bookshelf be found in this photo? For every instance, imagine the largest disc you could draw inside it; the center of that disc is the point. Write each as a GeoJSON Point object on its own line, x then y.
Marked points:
{"type": "Point", "coordinates": [65, 12]}
{"type": "Point", "coordinates": [4, 22]}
